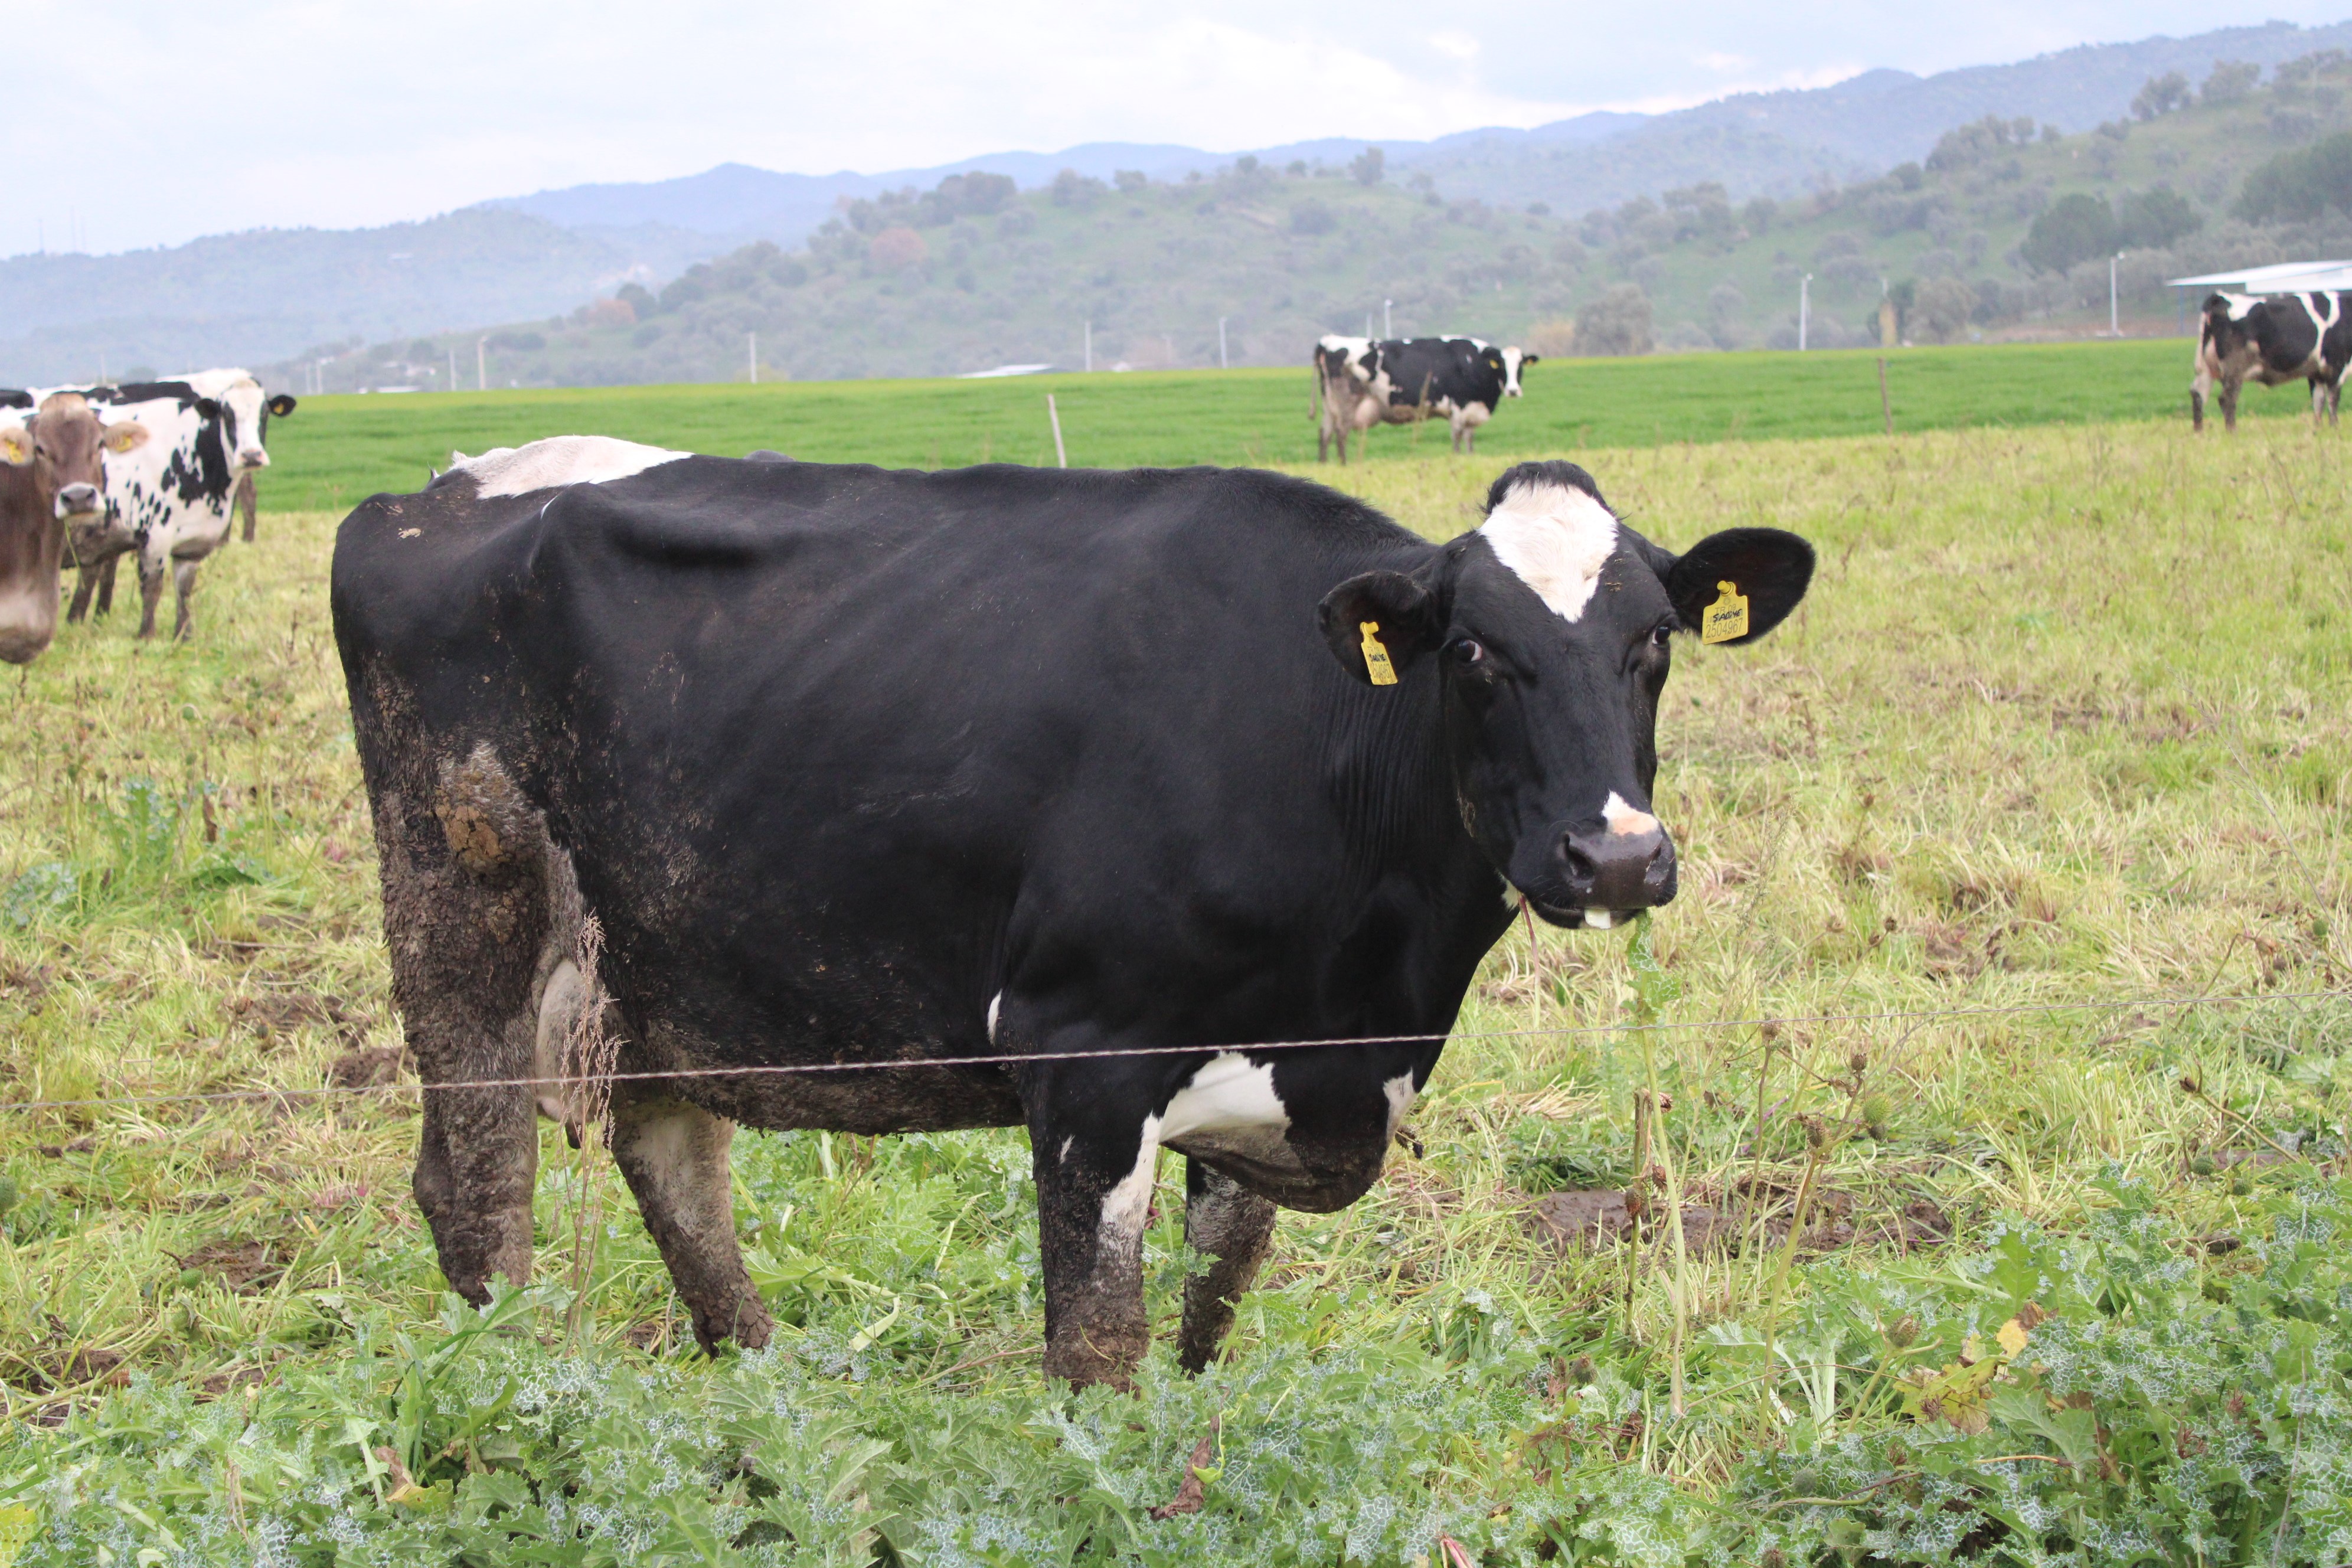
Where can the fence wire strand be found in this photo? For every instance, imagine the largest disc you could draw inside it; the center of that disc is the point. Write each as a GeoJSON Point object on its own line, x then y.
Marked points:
{"type": "Point", "coordinates": [1016, 1058]}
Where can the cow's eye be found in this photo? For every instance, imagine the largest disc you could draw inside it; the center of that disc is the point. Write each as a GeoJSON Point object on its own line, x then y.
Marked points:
{"type": "Point", "coordinates": [1662, 634]}
{"type": "Point", "coordinates": [1469, 650]}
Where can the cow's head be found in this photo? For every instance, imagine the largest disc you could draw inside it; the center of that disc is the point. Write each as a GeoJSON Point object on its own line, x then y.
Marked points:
{"type": "Point", "coordinates": [1548, 629]}
{"type": "Point", "coordinates": [245, 412]}
{"type": "Point", "coordinates": [1514, 361]}
{"type": "Point", "coordinates": [52, 481]}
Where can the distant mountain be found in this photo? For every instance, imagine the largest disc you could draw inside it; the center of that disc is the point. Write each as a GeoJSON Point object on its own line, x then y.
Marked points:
{"type": "Point", "coordinates": [267, 295]}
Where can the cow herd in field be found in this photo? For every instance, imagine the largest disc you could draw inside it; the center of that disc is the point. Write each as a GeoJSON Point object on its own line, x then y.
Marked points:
{"type": "Point", "coordinates": [156, 470]}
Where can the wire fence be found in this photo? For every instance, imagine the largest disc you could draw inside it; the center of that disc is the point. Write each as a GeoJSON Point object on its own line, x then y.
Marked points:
{"type": "Point", "coordinates": [1249, 1047]}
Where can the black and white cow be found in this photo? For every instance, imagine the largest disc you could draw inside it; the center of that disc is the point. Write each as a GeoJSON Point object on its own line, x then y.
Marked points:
{"type": "Point", "coordinates": [1363, 382]}
{"type": "Point", "coordinates": [172, 500]}
{"type": "Point", "coordinates": [2272, 340]}
{"type": "Point", "coordinates": [1146, 770]}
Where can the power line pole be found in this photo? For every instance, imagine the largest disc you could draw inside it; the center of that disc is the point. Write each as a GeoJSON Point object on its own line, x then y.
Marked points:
{"type": "Point", "coordinates": [481, 364]}
{"type": "Point", "coordinates": [1804, 309]}
{"type": "Point", "coordinates": [755, 359]}
{"type": "Point", "coordinates": [1222, 363]}
{"type": "Point", "coordinates": [2114, 327]}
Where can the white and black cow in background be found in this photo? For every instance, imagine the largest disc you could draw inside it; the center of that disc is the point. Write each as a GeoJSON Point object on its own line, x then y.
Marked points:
{"type": "Point", "coordinates": [1363, 382]}
{"type": "Point", "coordinates": [172, 502]}
{"type": "Point", "coordinates": [1123, 776]}
{"type": "Point", "coordinates": [2271, 340]}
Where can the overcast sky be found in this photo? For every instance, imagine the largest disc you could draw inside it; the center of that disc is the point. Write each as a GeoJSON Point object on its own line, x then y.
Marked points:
{"type": "Point", "coordinates": [151, 124]}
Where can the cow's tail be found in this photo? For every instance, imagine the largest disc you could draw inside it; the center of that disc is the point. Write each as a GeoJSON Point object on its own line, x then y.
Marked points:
{"type": "Point", "coordinates": [2204, 364]}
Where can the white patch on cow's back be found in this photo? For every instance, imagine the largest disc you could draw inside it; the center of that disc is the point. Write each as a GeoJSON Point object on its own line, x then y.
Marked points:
{"type": "Point", "coordinates": [1400, 1096]}
{"type": "Point", "coordinates": [1621, 818]}
{"type": "Point", "coordinates": [1557, 539]}
{"type": "Point", "coordinates": [559, 460]}
{"type": "Point", "coordinates": [2241, 304]}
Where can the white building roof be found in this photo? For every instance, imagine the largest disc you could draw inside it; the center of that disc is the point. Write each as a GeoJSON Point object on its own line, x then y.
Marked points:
{"type": "Point", "coordinates": [2285, 278]}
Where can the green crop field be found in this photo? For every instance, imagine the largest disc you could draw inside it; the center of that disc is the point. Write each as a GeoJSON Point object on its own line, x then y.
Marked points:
{"type": "Point", "coordinates": [1987, 1252]}
{"type": "Point", "coordinates": [339, 450]}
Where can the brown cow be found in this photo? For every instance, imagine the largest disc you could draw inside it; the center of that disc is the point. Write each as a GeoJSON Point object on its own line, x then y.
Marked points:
{"type": "Point", "coordinates": [52, 481]}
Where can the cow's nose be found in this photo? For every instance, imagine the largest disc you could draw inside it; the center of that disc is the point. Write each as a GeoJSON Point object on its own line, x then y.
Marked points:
{"type": "Point", "coordinates": [253, 457]}
{"type": "Point", "coordinates": [1615, 872]}
{"type": "Point", "coordinates": [75, 501]}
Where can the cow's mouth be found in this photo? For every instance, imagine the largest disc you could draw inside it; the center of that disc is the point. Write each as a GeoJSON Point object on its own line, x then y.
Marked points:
{"type": "Point", "coordinates": [1581, 919]}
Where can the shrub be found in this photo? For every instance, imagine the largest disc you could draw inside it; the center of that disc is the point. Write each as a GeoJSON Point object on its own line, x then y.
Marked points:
{"type": "Point", "coordinates": [2150, 220]}
{"type": "Point", "coordinates": [1942, 309]}
{"type": "Point", "coordinates": [1312, 216]}
{"type": "Point", "coordinates": [1617, 323]}
{"type": "Point", "coordinates": [2300, 184]}
{"type": "Point", "coordinates": [2074, 229]}
{"type": "Point", "coordinates": [2161, 95]}
{"type": "Point", "coordinates": [895, 249]}
{"type": "Point", "coordinates": [2232, 82]}
{"type": "Point", "coordinates": [1367, 166]}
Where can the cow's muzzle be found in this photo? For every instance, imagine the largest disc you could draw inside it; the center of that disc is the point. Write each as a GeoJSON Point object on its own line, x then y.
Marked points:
{"type": "Point", "coordinates": [1601, 876]}
{"type": "Point", "coordinates": [79, 501]}
{"type": "Point", "coordinates": [252, 458]}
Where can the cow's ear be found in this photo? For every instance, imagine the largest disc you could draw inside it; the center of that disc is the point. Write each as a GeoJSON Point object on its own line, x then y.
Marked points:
{"type": "Point", "coordinates": [280, 406]}
{"type": "Point", "coordinates": [1401, 616]}
{"type": "Point", "coordinates": [207, 409]}
{"type": "Point", "coordinates": [1765, 566]}
{"type": "Point", "coordinates": [1529, 359]}
{"type": "Point", "coordinates": [125, 436]}
{"type": "Point", "coordinates": [15, 446]}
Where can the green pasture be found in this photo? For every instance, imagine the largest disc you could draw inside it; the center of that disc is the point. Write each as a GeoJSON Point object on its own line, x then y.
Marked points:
{"type": "Point", "coordinates": [1988, 1250]}
{"type": "Point", "coordinates": [337, 450]}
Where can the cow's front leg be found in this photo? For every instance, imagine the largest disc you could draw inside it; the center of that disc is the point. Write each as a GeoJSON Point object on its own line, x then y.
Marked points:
{"type": "Point", "coordinates": [1094, 1168]}
{"type": "Point", "coordinates": [183, 579]}
{"type": "Point", "coordinates": [150, 593]}
{"type": "Point", "coordinates": [85, 578]}
{"type": "Point", "coordinates": [674, 1155]}
{"type": "Point", "coordinates": [1231, 1227]}
{"type": "Point", "coordinates": [2229, 405]}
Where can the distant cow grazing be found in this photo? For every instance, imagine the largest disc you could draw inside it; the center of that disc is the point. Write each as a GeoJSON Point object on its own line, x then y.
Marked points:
{"type": "Point", "coordinates": [2272, 340]}
{"type": "Point", "coordinates": [1122, 777]}
{"type": "Point", "coordinates": [173, 499]}
{"type": "Point", "coordinates": [52, 481]}
{"type": "Point", "coordinates": [1363, 382]}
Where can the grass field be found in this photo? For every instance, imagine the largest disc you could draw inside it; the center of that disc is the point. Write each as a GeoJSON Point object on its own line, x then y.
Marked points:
{"type": "Point", "coordinates": [2064, 725]}
{"type": "Point", "coordinates": [337, 450]}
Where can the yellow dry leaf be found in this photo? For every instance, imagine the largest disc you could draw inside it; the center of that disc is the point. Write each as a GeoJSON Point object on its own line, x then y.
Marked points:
{"type": "Point", "coordinates": [2012, 1337]}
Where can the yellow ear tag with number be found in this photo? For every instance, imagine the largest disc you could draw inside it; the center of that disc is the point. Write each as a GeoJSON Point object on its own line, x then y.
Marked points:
{"type": "Point", "coordinates": [1376, 657]}
{"type": "Point", "coordinates": [1727, 618]}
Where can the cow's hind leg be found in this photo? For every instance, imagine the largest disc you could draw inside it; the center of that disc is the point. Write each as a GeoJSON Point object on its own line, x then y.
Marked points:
{"type": "Point", "coordinates": [86, 579]}
{"type": "Point", "coordinates": [150, 593]}
{"type": "Point", "coordinates": [2229, 405]}
{"type": "Point", "coordinates": [674, 1155]}
{"type": "Point", "coordinates": [106, 573]}
{"type": "Point", "coordinates": [1230, 1228]}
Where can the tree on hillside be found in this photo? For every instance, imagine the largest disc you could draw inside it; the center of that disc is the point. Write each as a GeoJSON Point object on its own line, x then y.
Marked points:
{"type": "Point", "coordinates": [2074, 229]}
{"type": "Point", "coordinates": [2301, 183]}
{"type": "Point", "coordinates": [2232, 81]}
{"type": "Point", "coordinates": [2161, 95]}
{"type": "Point", "coordinates": [1367, 166]}
{"type": "Point", "coordinates": [1941, 308]}
{"type": "Point", "coordinates": [2150, 220]}
{"type": "Point", "coordinates": [1619, 322]}
{"type": "Point", "coordinates": [1967, 145]}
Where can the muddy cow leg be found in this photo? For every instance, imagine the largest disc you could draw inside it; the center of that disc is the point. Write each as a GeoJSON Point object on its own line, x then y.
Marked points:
{"type": "Point", "coordinates": [1230, 1228]}
{"type": "Point", "coordinates": [467, 918]}
{"type": "Point", "coordinates": [183, 578]}
{"type": "Point", "coordinates": [150, 593]}
{"type": "Point", "coordinates": [2229, 406]}
{"type": "Point", "coordinates": [85, 580]}
{"type": "Point", "coordinates": [1095, 1167]}
{"type": "Point", "coordinates": [674, 1155]}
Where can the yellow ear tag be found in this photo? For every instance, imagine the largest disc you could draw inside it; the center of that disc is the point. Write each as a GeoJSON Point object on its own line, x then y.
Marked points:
{"type": "Point", "coordinates": [1376, 657]}
{"type": "Point", "coordinates": [1727, 618]}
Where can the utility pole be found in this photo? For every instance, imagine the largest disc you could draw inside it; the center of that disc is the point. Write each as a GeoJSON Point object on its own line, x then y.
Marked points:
{"type": "Point", "coordinates": [755, 359]}
{"type": "Point", "coordinates": [481, 364]}
{"type": "Point", "coordinates": [1804, 309]}
{"type": "Point", "coordinates": [2114, 327]}
{"type": "Point", "coordinates": [1388, 321]}
{"type": "Point", "coordinates": [1222, 363]}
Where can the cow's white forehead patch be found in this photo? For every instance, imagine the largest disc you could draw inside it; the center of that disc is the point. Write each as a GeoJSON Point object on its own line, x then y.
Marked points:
{"type": "Point", "coordinates": [559, 460]}
{"type": "Point", "coordinates": [1557, 539]}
